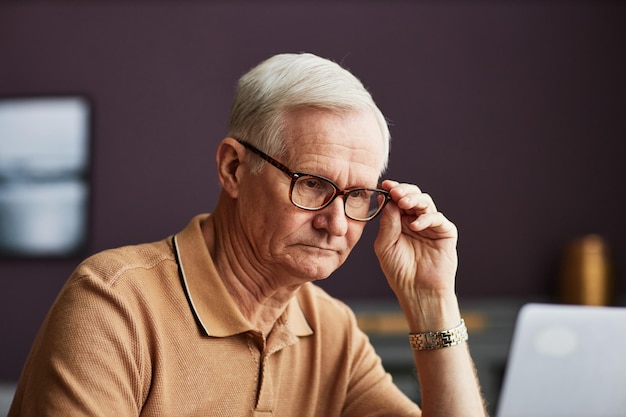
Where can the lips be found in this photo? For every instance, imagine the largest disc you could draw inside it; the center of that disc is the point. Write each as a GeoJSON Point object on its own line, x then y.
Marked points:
{"type": "Point", "coordinates": [321, 248]}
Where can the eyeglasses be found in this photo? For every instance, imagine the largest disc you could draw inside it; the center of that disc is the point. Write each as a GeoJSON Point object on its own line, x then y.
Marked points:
{"type": "Point", "coordinates": [312, 192]}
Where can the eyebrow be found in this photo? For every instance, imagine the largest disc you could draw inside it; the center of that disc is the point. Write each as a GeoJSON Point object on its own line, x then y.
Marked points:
{"type": "Point", "coordinates": [272, 161]}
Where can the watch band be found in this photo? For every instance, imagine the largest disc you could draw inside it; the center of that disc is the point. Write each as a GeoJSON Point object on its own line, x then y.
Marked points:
{"type": "Point", "coordinates": [438, 340]}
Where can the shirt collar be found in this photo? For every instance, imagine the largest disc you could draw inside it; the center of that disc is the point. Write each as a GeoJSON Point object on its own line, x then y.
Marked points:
{"type": "Point", "coordinates": [209, 300]}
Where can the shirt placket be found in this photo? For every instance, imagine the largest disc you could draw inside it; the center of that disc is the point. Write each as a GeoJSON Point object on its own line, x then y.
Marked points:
{"type": "Point", "coordinates": [269, 369]}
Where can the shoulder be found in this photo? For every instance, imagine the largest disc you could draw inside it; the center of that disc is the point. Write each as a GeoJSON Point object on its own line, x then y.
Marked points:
{"type": "Point", "coordinates": [112, 266]}
{"type": "Point", "coordinates": [124, 284]}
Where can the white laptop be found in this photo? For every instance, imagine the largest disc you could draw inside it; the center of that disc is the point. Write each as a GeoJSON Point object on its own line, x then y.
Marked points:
{"type": "Point", "coordinates": [566, 361]}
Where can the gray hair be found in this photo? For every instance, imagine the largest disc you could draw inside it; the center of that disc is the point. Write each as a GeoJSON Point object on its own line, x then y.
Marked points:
{"type": "Point", "coordinates": [285, 82]}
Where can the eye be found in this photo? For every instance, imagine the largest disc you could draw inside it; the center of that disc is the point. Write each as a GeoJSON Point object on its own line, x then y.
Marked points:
{"type": "Point", "coordinates": [359, 194]}
{"type": "Point", "coordinates": [312, 183]}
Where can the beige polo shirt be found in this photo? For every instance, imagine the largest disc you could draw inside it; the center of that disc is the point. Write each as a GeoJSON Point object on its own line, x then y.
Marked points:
{"type": "Point", "coordinates": [150, 330]}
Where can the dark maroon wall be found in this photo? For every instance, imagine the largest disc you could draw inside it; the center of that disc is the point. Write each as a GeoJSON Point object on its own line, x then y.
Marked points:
{"type": "Point", "coordinates": [510, 113]}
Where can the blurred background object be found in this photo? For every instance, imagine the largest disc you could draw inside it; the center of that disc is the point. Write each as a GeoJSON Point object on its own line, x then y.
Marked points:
{"type": "Point", "coordinates": [587, 272]}
{"type": "Point", "coordinates": [43, 176]}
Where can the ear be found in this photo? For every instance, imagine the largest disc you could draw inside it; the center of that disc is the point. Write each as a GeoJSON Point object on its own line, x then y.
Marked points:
{"type": "Point", "coordinates": [229, 159]}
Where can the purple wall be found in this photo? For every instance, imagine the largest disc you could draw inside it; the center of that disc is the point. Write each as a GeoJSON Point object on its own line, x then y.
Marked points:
{"type": "Point", "coordinates": [511, 114]}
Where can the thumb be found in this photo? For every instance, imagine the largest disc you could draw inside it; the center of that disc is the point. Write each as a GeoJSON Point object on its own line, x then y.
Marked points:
{"type": "Point", "coordinates": [390, 228]}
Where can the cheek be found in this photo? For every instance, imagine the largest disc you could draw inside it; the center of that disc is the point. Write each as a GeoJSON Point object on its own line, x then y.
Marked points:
{"type": "Point", "coordinates": [258, 203]}
{"type": "Point", "coordinates": [272, 224]}
{"type": "Point", "coordinates": [269, 224]}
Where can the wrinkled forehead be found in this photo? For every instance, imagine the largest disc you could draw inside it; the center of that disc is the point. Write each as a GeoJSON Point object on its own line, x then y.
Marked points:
{"type": "Point", "coordinates": [320, 135]}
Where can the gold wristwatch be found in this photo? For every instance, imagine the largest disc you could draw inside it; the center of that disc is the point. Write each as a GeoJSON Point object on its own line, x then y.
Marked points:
{"type": "Point", "coordinates": [438, 340]}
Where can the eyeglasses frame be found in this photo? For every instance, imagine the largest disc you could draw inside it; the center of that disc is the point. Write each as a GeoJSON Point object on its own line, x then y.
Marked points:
{"type": "Point", "coordinates": [295, 175]}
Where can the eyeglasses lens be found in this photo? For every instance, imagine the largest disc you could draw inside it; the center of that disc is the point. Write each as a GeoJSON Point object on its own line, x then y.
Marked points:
{"type": "Point", "coordinates": [310, 192]}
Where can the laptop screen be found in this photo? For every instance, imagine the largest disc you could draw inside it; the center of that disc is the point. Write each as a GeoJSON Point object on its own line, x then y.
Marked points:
{"type": "Point", "coordinates": [566, 361]}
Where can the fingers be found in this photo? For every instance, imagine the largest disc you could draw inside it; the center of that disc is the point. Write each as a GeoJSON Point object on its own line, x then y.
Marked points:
{"type": "Point", "coordinates": [418, 210]}
{"type": "Point", "coordinates": [436, 224]}
{"type": "Point", "coordinates": [410, 198]}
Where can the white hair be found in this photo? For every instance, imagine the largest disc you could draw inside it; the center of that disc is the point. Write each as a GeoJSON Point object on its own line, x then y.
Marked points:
{"type": "Point", "coordinates": [285, 82]}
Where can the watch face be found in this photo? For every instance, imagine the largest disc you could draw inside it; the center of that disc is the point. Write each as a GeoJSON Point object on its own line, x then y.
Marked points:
{"type": "Point", "coordinates": [431, 339]}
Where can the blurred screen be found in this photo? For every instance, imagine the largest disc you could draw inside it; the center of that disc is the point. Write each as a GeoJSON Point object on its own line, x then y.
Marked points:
{"type": "Point", "coordinates": [44, 166]}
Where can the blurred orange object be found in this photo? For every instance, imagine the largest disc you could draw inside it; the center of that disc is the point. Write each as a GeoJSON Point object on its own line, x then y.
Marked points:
{"type": "Point", "coordinates": [586, 272]}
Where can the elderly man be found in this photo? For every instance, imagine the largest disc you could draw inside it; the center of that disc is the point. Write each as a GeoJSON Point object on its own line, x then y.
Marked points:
{"type": "Point", "coordinates": [223, 318]}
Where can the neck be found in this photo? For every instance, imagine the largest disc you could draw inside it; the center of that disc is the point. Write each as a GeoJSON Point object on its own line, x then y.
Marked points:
{"type": "Point", "coordinates": [260, 295]}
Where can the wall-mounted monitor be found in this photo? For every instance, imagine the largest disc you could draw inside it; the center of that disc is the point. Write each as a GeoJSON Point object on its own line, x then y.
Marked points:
{"type": "Point", "coordinates": [44, 175]}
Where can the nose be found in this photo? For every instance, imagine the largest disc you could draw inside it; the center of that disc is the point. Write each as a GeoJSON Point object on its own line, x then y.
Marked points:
{"type": "Point", "coordinates": [333, 218]}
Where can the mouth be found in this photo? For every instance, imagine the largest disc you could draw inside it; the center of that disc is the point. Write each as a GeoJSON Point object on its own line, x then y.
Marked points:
{"type": "Point", "coordinates": [320, 249]}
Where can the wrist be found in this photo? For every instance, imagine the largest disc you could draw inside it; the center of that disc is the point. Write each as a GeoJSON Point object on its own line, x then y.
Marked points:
{"type": "Point", "coordinates": [431, 312]}
{"type": "Point", "coordinates": [439, 339]}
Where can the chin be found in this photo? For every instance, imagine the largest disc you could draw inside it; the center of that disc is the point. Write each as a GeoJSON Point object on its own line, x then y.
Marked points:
{"type": "Point", "coordinates": [317, 270]}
